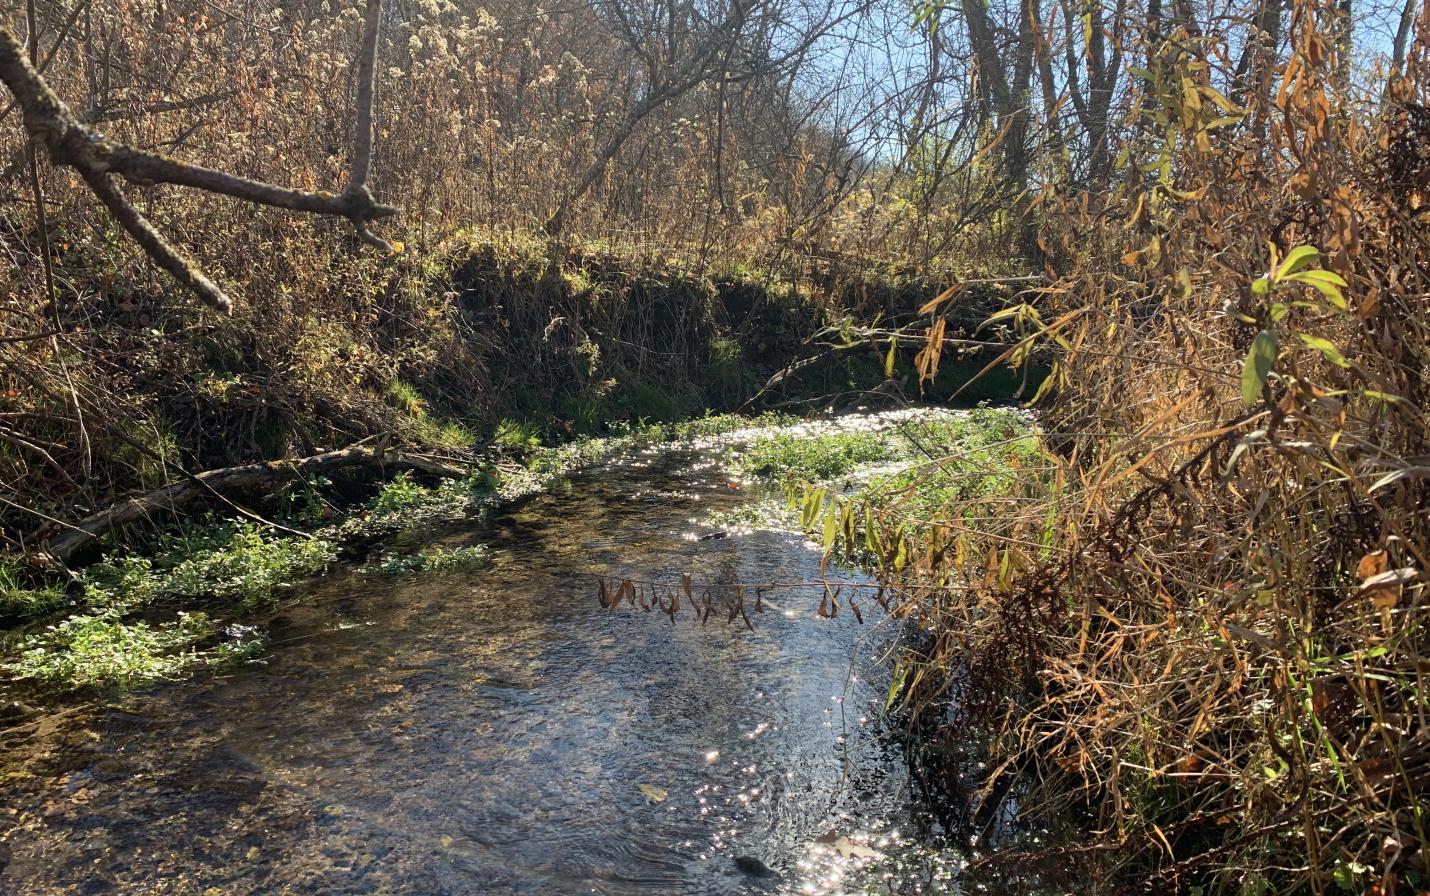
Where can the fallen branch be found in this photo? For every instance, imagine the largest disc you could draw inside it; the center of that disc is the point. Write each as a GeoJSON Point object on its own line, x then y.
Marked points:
{"type": "Point", "coordinates": [267, 474]}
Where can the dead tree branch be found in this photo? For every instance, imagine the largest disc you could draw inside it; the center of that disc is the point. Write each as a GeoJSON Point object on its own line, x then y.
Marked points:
{"type": "Point", "coordinates": [257, 475]}
{"type": "Point", "coordinates": [97, 159]}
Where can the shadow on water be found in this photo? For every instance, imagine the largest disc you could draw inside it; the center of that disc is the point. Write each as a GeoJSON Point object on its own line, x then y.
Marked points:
{"type": "Point", "coordinates": [491, 732]}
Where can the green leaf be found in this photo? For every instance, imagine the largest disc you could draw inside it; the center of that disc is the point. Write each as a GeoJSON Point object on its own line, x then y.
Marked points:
{"type": "Point", "coordinates": [872, 541]}
{"type": "Point", "coordinates": [1326, 347]}
{"type": "Point", "coordinates": [896, 685]}
{"type": "Point", "coordinates": [1261, 285]}
{"type": "Point", "coordinates": [1347, 875]}
{"type": "Point", "coordinates": [1328, 283]}
{"type": "Point", "coordinates": [1014, 311]}
{"type": "Point", "coordinates": [1297, 259]}
{"type": "Point", "coordinates": [1386, 397]}
{"type": "Point", "coordinates": [1260, 361]}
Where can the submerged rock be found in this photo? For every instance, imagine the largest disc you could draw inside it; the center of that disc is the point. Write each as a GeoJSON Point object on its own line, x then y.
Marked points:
{"type": "Point", "coordinates": [754, 867]}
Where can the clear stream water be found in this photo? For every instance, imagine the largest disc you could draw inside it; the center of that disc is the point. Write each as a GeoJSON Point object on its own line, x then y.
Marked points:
{"type": "Point", "coordinates": [498, 731]}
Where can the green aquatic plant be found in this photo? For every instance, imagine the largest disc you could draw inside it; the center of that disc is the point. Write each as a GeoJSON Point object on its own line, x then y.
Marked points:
{"type": "Point", "coordinates": [102, 649]}
{"type": "Point", "coordinates": [229, 560]}
{"type": "Point", "coordinates": [789, 456]}
{"type": "Point", "coordinates": [432, 560]}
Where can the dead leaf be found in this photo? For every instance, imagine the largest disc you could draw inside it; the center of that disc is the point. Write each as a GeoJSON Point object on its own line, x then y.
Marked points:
{"type": "Point", "coordinates": [1372, 564]}
{"type": "Point", "coordinates": [1384, 588]}
{"type": "Point", "coordinates": [851, 850]}
{"type": "Point", "coordinates": [652, 793]}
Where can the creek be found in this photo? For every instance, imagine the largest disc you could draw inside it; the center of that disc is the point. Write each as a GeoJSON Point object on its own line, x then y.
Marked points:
{"type": "Point", "coordinates": [498, 731]}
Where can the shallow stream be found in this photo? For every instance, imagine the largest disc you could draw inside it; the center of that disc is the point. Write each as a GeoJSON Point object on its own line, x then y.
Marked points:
{"type": "Point", "coordinates": [496, 731]}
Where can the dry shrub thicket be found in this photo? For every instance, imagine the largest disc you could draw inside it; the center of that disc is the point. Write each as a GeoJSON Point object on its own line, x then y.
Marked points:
{"type": "Point", "coordinates": [1201, 629]}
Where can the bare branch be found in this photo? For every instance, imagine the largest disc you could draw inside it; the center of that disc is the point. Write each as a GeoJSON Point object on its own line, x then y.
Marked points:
{"type": "Point", "coordinates": [266, 474]}
{"type": "Point", "coordinates": [51, 123]}
{"type": "Point", "coordinates": [152, 241]}
{"type": "Point", "coordinates": [362, 138]}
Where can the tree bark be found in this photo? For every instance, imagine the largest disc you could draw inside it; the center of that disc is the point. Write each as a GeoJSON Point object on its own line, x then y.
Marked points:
{"type": "Point", "coordinates": [1402, 37]}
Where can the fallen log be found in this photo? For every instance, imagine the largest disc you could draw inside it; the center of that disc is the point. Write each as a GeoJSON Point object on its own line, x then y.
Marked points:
{"type": "Point", "coordinates": [266, 474]}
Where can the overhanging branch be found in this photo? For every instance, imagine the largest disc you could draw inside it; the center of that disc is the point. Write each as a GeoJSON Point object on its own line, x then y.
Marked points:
{"type": "Point", "coordinates": [97, 159]}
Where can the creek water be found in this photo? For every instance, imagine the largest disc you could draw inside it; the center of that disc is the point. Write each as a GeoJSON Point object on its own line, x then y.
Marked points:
{"type": "Point", "coordinates": [497, 731]}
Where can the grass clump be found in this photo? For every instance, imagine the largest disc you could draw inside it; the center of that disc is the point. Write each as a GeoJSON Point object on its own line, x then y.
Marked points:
{"type": "Point", "coordinates": [404, 397]}
{"type": "Point", "coordinates": [21, 602]}
{"type": "Point", "coordinates": [519, 437]}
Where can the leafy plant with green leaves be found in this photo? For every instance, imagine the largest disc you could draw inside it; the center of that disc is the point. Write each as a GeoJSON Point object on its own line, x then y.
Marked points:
{"type": "Point", "coordinates": [1276, 288]}
{"type": "Point", "coordinates": [102, 649]}
{"type": "Point", "coordinates": [433, 560]}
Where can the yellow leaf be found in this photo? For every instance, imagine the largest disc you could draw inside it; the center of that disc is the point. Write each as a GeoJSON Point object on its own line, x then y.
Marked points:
{"type": "Point", "coordinates": [653, 793]}
{"type": "Point", "coordinates": [1372, 564]}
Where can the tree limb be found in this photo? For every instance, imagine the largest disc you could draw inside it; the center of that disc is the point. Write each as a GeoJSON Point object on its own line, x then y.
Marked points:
{"type": "Point", "coordinates": [51, 123]}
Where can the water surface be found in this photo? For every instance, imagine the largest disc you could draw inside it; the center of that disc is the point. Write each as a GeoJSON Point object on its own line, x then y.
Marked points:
{"type": "Point", "coordinates": [494, 731]}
